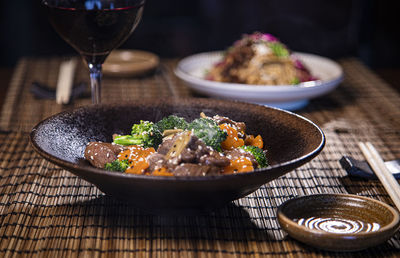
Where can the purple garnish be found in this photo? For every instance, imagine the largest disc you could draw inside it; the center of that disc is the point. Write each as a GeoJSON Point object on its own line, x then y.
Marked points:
{"type": "Point", "coordinates": [269, 37]}
{"type": "Point", "coordinates": [298, 64]}
{"type": "Point", "coordinates": [262, 36]}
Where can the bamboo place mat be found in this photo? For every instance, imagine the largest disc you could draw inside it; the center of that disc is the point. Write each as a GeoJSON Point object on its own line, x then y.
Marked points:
{"type": "Point", "coordinates": [46, 211]}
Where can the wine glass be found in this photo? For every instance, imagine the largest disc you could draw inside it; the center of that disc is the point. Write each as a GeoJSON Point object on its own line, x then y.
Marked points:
{"type": "Point", "coordinates": [94, 28]}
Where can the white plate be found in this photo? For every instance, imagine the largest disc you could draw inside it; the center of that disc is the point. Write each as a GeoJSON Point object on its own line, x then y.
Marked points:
{"type": "Point", "coordinates": [193, 68]}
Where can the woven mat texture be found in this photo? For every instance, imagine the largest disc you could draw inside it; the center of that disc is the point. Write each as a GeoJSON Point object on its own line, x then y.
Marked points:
{"type": "Point", "coordinates": [46, 211]}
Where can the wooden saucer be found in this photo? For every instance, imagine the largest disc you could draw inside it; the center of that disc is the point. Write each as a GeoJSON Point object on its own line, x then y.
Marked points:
{"type": "Point", "coordinates": [125, 63]}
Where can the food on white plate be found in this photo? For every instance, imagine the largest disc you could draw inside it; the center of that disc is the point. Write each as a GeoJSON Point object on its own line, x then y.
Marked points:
{"type": "Point", "coordinates": [259, 59]}
{"type": "Point", "coordinates": [175, 147]}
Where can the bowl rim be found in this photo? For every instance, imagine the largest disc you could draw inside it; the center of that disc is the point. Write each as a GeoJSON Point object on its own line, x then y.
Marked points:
{"type": "Point", "coordinates": [74, 166]}
{"type": "Point", "coordinates": [394, 223]}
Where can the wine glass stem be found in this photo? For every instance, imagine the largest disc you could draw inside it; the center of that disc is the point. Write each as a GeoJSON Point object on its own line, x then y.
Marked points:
{"type": "Point", "coordinates": [95, 82]}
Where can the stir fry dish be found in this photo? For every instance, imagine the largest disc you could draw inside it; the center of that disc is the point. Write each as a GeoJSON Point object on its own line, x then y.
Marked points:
{"type": "Point", "coordinates": [175, 147]}
{"type": "Point", "coordinates": [259, 59]}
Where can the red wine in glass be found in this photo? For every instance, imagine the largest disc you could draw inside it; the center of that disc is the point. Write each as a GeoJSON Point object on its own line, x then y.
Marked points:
{"type": "Point", "coordinates": [94, 28]}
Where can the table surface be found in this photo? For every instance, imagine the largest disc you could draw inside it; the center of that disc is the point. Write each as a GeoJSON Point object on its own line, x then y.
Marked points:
{"type": "Point", "coordinates": [5, 77]}
{"type": "Point", "coordinates": [389, 75]}
{"type": "Point", "coordinates": [47, 211]}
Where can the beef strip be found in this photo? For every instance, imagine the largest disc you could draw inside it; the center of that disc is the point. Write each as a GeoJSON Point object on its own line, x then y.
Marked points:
{"type": "Point", "coordinates": [237, 153]}
{"type": "Point", "coordinates": [166, 145]}
{"type": "Point", "coordinates": [194, 153]}
{"type": "Point", "coordinates": [240, 126]}
{"type": "Point", "coordinates": [101, 153]}
{"type": "Point", "coordinates": [214, 158]}
{"type": "Point", "coordinates": [189, 169]}
{"type": "Point", "coordinates": [156, 161]}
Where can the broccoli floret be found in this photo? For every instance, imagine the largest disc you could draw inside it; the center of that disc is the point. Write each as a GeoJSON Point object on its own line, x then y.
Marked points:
{"type": "Point", "coordinates": [258, 154]}
{"type": "Point", "coordinates": [145, 134]}
{"type": "Point", "coordinates": [208, 130]}
{"type": "Point", "coordinates": [171, 122]}
{"type": "Point", "coordinates": [117, 165]}
{"type": "Point", "coordinates": [279, 49]}
{"type": "Point", "coordinates": [296, 81]}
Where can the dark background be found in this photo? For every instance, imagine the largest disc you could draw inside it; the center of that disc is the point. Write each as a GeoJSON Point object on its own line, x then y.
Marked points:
{"type": "Point", "coordinates": [177, 28]}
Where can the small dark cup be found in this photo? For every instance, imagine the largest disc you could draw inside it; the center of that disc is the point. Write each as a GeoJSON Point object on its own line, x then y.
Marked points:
{"type": "Point", "coordinates": [338, 222]}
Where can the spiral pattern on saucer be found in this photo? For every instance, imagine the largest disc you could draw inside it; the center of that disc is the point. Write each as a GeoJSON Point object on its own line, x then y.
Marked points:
{"type": "Point", "coordinates": [338, 225]}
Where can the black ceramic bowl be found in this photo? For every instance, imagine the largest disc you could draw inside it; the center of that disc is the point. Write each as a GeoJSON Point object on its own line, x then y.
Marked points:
{"type": "Point", "coordinates": [291, 141]}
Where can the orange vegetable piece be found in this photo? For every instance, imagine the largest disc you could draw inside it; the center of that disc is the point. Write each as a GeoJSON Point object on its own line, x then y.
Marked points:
{"type": "Point", "coordinates": [137, 168]}
{"type": "Point", "coordinates": [161, 172]}
{"type": "Point", "coordinates": [232, 140]}
{"type": "Point", "coordinates": [239, 165]}
{"type": "Point", "coordinates": [254, 141]}
{"type": "Point", "coordinates": [136, 156]}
